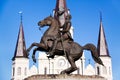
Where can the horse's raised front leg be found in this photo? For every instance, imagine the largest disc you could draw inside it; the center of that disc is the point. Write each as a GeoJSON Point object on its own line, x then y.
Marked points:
{"type": "Point", "coordinates": [33, 55]}
{"type": "Point", "coordinates": [72, 68]}
{"type": "Point", "coordinates": [32, 45]}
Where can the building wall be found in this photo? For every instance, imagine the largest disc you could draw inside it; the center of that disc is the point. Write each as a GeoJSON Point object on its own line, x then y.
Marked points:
{"type": "Point", "coordinates": [106, 70]}
{"type": "Point", "coordinates": [20, 68]}
{"type": "Point", "coordinates": [56, 65]}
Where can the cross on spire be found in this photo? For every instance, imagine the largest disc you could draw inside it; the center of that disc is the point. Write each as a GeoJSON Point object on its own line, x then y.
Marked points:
{"type": "Point", "coordinates": [20, 16]}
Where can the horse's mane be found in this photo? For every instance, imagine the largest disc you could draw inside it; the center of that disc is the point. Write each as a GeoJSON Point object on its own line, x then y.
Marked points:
{"type": "Point", "coordinates": [55, 19]}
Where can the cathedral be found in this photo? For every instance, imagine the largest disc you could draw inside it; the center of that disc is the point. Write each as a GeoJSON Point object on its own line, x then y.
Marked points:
{"type": "Point", "coordinates": [20, 60]}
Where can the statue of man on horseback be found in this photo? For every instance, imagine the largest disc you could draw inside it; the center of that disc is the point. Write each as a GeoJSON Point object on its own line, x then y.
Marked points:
{"type": "Point", "coordinates": [59, 42]}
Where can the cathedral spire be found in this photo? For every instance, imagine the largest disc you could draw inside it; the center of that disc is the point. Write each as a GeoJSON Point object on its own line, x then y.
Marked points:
{"type": "Point", "coordinates": [102, 44]}
{"type": "Point", "coordinates": [20, 50]}
{"type": "Point", "coordinates": [61, 7]}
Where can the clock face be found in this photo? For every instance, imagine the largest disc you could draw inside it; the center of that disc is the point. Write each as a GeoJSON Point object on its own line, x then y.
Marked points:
{"type": "Point", "coordinates": [61, 62]}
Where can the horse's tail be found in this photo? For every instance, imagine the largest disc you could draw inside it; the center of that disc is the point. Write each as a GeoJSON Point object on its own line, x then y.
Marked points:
{"type": "Point", "coordinates": [94, 52]}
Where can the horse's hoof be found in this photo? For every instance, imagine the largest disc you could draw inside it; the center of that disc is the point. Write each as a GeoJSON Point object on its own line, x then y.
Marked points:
{"type": "Point", "coordinates": [34, 60]}
{"type": "Point", "coordinates": [33, 57]}
{"type": "Point", "coordinates": [63, 72]}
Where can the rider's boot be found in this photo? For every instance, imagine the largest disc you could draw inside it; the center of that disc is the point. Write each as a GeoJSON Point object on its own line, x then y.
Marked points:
{"type": "Point", "coordinates": [51, 54]}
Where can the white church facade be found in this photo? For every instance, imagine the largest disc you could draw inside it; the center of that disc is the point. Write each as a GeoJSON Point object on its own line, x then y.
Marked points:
{"type": "Point", "coordinates": [20, 60]}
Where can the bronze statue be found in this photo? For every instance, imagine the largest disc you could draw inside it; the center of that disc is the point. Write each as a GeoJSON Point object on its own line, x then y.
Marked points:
{"type": "Point", "coordinates": [70, 49]}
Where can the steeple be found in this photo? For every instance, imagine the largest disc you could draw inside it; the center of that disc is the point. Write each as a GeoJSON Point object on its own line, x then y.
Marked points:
{"type": "Point", "coordinates": [102, 44]}
{"type": "Point", "coordinates": [61, 7]}
{"type": "Point", "coordinates": [20, 50]}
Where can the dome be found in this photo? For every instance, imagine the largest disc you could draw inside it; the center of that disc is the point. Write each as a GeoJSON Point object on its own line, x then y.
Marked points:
{"type": "Point", "coordinates": [89, 70]}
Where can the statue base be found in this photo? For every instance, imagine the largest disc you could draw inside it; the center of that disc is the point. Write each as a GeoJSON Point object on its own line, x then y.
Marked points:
{"type": "Point", "coordinates": [64, 77]}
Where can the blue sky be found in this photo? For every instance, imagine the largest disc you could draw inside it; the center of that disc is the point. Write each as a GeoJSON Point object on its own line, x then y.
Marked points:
{"type": "Point", "coordinates": [85, 20]}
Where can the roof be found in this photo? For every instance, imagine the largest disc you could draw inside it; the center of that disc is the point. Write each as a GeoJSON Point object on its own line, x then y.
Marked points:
{"type": "Point", "coordinates": [102, 43]}
{"type": "Point", "coordinates": [20, 50]}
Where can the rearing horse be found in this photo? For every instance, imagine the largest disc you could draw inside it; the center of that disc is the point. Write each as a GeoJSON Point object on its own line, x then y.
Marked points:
{"type": "Point", "coordinates": [49, 35]}
{"type": "Point", "coordinates": [72, 51]}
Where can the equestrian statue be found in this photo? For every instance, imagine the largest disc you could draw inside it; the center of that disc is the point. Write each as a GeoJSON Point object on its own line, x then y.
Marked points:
{"type": "Point", "coordinates": [57, 40]}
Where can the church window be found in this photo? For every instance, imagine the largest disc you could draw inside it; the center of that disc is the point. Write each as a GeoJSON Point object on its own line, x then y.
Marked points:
{"type": "Point", "coordinates": [19, 71]}
{"type": "Point", "coordinates": [78, 72]}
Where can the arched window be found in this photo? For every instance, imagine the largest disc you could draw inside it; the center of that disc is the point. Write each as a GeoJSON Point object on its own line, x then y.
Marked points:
{"type": "Point", "coordinates": [45, 70]}
{"type": "Point", "coordinates": [25, 71]}
{"type": "Point", "coordinates": [104, 70]}
{"type": "Point", "coordinates": [19, 71]}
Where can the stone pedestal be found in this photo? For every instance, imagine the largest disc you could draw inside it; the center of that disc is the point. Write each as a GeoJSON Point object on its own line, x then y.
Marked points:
{"type": "Point", "coordinates": [64, 77]}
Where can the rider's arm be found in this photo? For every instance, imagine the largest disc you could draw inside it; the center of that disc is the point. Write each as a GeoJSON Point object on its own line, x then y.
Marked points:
{"type": "Point", "coordinates": [61, 12]}
{"type": "Point", "coordinates": [67, 28]}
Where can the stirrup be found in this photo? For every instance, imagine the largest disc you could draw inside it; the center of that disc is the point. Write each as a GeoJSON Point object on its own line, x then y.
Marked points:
{"type": "Point", "coordinates": [51, 56]}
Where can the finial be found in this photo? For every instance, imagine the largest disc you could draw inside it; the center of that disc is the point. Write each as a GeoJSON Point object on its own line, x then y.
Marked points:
{"type": "Point", "coordinates": [20, 16]}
